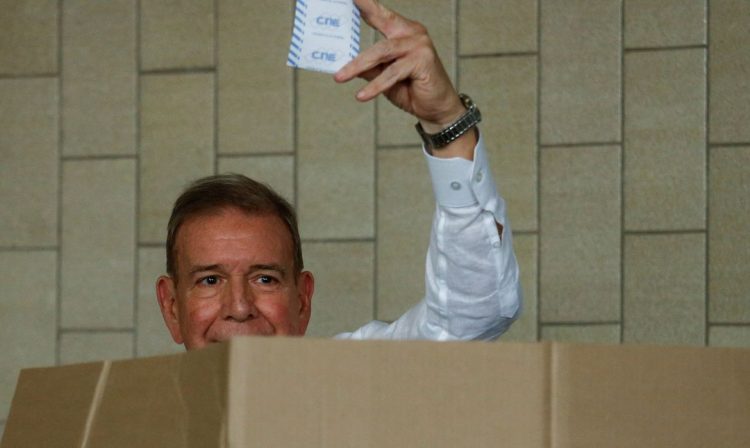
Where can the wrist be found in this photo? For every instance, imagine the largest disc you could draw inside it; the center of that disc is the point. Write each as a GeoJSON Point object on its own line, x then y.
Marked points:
{"type": "Point", "coordinates": [467, 119]}
{"type": "Point", "coordinates": [446, 119]}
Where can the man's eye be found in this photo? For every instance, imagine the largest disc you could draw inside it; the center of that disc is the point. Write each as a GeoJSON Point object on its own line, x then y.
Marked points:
{"type": "Point", "coordinates": [266, 280]}
{"type": "Point", "coordinates": [209, 280]}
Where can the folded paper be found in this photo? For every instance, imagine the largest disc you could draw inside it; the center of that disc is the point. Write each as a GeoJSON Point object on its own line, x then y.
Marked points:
{"type": "Point", "coordinates": [325, 35]}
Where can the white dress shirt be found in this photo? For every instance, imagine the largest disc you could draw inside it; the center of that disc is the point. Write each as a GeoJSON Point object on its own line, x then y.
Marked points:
{"type": "Point", "coordinates": [472, 280]}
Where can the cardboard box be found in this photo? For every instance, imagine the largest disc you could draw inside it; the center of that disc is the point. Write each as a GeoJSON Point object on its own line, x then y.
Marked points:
{"type": "Point", "coordinates": [286, 392]}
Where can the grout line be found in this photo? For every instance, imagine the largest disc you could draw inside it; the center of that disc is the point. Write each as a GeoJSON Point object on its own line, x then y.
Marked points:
{"type": "Point", "coordinates": [341, 240]}
{"type": "Point", "coordinates": [74, 158]}
{"type": "Point", "coordinates": [60, 145]}
{"type": "Point", "coordinates": [525, 232]}
{"type": "Point", "coordinates": [582, 323]}
{"type": "Point", "coordinates": [392, 147]}
{"type": "Point", "coordinates": [668, 48]}
{"type": "Point", "coordinates": [27, 248]}
{"type": "Point", "coordinates": [28, 76]}
{"type": "Point", "coordinates": [235, 155]}
{"type": "Point", "coordinates": [376, 210]}
{"type": "Point", "coordinates": [295, 138]}
{"type": "Point", "coordinates": [376, 214]}
{"type": "Point", "coordinates": [457, 36]}
{"type": "Point", "coordinates": [295, 142]}
{"type": "Point", "coordinates": [707, 173]}
{"type": "Point", "coordinates": [295, 135]}
{"type": "Point", "coordinates": [539, 171]}
{"type": "Point", "coordinates": [174, 71]}
{"type": "Point", "coordinates": [666, 232]}
{"type": "Point", "coordinates": [622, 172]}
{"type": "Point", "coordinates": [215, 36]}
{"type": "Point", "coordinates": [577, 145]}
{"type": "Point", "coordinates": [505, 54]}
{"type": "Point", "coordinates": [138, 134]}
{"type": "Point", "coordinates": [729, 324]}
{"type": "Point", "coordinates": [729, 144]}
{"type": "Point", "coordinates": [216, 138]}
{"type": "Point", "coordinates": [93, 330]}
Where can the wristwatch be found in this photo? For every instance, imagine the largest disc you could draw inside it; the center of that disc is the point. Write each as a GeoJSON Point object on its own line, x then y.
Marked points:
{"type": "Point", "coordinates": [465, 122]}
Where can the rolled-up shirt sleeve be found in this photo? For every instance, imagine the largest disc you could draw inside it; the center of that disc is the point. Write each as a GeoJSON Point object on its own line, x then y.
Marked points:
{"type": "Point", "coordinates": [472, 285]}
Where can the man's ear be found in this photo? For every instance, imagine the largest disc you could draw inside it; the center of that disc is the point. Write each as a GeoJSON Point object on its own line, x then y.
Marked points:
{"type": "Point", "coordinates": [167, 296]}
{"type": "Point", "coordinates": [306, 287]}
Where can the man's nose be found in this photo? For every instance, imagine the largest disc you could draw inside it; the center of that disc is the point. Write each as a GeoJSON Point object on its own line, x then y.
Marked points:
{"type": "Point", "coordinates": [239, 302]}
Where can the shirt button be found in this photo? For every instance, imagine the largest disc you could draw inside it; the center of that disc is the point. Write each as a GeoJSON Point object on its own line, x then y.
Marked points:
{"type": "Point", "coordinates": [455, 185]}
{"type": "Point", "coordinates": [478, 176]}
{"type": "Point", "coordinates": [496, 244]}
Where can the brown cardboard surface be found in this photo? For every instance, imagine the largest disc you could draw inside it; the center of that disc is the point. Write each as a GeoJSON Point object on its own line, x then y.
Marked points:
{"type": "Point", "coordinates": [274, 392]}
{"type": "Point", "coordinates": [50, 406]}
{"type": "Point", "coordinates": [376, 394]}
{"type": "Point", "coordinates": [650, 396]}
{"type": "Point", "coordinates": [171, 401]}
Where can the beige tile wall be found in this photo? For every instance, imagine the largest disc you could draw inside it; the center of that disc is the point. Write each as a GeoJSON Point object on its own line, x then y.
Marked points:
{"type": "Point", "coordinates": [617, 131]}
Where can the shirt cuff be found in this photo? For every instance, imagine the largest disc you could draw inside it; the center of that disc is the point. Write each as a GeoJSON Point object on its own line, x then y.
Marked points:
{"type": "Point", "coordinates": [458, 182]}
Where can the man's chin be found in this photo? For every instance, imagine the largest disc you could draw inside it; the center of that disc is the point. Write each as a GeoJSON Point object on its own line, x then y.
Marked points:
{"type": "Point", "coordinates": [228, 336]}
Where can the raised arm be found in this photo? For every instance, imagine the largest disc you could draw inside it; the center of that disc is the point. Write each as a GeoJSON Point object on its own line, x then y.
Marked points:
{"type": "Point", "coordinates": [472, 288]}
{"type": "Point", "coordinates": [406, 69]}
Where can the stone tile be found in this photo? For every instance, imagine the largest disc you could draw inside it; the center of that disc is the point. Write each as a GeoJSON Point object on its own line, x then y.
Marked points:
{"type": "Point", "coordinates": [335, 160]}
{"type": "Point", "coordinates": [729, 65]}
{"type": "Point", "coordinates": [505, 89]}
{"type": "Point", "coordinates": [665, 140]}
{"type": "Point", "coordinates": [580, 50]}
{"type": "Point", "coordinates": [99, 77]}
{"type": "Point", "coordinates": [28, 37]}
{"type": "Point", "coordinates": [98, 244]}
{"type": "Point", "coordinates": [77, 347]}
{"type": "Point", "coordinates": [276, 171]}
{"type": "Point", "coordinates": [343, 299]}
{"type": "Point", "coordinates": [405, 209]}
{"type": "Point", "coordinates": [28, 316]}
{"type": "Point", "coordinates": [729, 235]}
{"type": "Point", "coordinates": [587, 334]}
{"type": "Point", "coordinates": [29, 171]}
{"type": "Point", "coordinates": [490, 26]}
{"type": "Point", "coordinates": [664, 23]}
{"type": "Point", "coordinates": [177, 34]}
{"type": "Point", "coordinates": [396, 127]}
{"type": "Point", "coordinates": [525, 328]}
{"type": "Point", "coordinates": [665, 289]}
{"type": "Point", "coordinates": [152, 336]}
{"type": "Point", "coordinates": [177, 144]}
{"type": "Point", "coordinates": [729, 336]}
{"type": "Point", "coordinates": [580, 225]}
{"type": "Point", "coordinates": [255, 85]}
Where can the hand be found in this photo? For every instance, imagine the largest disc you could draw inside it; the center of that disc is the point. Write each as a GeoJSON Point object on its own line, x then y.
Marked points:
{"type": "Point", "coordinates": [405, 68]}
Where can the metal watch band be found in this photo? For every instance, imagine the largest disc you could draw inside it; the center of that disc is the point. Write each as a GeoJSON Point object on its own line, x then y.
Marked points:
{"type": "Point", "coordinates": [465, 122]}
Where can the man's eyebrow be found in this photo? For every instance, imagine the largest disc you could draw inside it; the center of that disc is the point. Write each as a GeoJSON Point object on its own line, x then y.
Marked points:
{"type": "Point", "coordinates": [256, 267]}
{"type": "Point", "coordinates": [269, 267]}
{"type": "Point", "coordinates": [203, 268]}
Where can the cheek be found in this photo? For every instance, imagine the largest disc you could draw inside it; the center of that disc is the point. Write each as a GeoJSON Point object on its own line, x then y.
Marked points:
{"type": "Point", "coordinates": [198, 317]}
{"type": "Point", "coordinates": [278, 311]}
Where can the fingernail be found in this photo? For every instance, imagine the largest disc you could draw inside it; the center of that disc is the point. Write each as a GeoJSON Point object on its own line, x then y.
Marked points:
{"type": "Point", "coordinates": [361, 95]}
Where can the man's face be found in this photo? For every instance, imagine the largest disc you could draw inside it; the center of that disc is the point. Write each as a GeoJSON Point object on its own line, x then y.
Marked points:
{"type": "Point", "coordinates": [235, 276]}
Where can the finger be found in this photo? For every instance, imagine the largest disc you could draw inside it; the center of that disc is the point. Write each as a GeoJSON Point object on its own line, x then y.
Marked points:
{"type": "Point", "coordinates": [382, 52]}
{"type": "Point", "coordinates": [392, 74]}
{"type": "Point", "coordinates": [373, 73]}
{"type": "Point", "coordinates": [387, 21]}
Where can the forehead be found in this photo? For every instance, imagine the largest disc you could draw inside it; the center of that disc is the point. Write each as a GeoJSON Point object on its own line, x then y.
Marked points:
{"type": "Point", "coordinates": [231, 235]}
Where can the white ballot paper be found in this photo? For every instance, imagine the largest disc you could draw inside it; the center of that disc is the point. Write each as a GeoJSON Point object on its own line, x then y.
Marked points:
{"type": "Point", "coordinates": [325, 35]}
